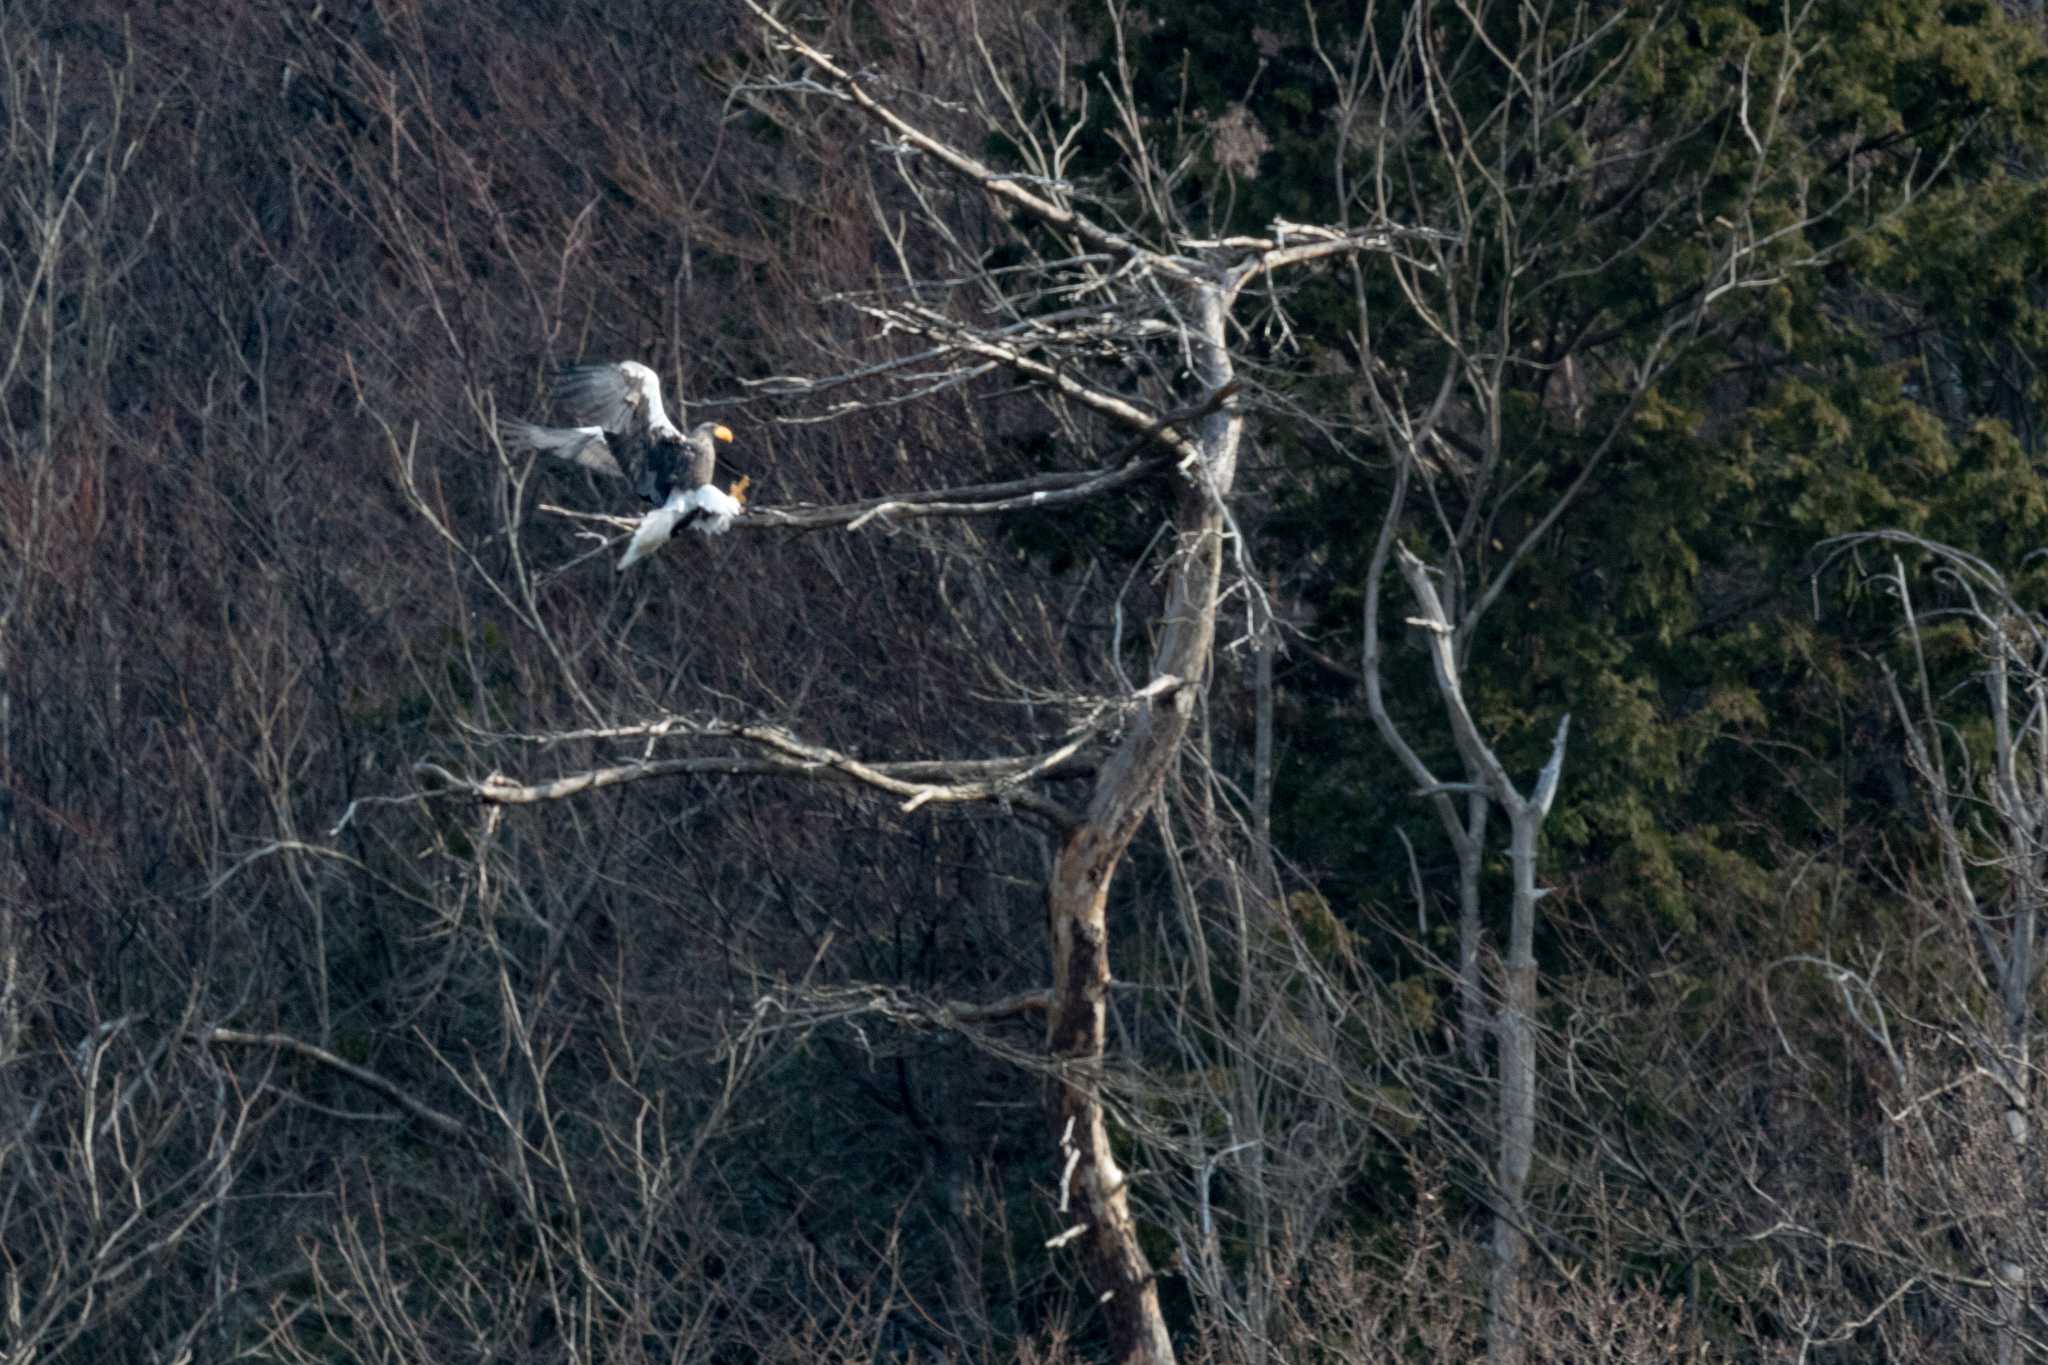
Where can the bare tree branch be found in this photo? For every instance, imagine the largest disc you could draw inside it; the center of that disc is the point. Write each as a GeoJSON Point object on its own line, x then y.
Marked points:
{"type": "Point", "coordinates": [1038, 492]}
{"type": "Point", "coordinates": [390, 1090]}
{"type": "Point", "coordinates": [921, 782]}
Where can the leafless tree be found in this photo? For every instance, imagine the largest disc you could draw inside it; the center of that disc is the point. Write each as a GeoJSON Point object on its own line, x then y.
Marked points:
{"type": "Point", "coordinates": [1094, 299]}
{"type": "Point", "coordinates": [1951, 1030]}
{"type": "Point", "coordinates": [1537, 152]}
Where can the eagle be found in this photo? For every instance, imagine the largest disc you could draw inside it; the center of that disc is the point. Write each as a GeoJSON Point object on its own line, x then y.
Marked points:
{"type": "Point", "coordinates": [618, 408]}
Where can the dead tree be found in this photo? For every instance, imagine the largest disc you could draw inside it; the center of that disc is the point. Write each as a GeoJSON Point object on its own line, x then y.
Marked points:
{"type": "Point", "coordinates": [1499, 399]}
{"type": "Point", "coordinates": [1960, 1052]}
{"type": "Point", "coordinates": [1094, 297]}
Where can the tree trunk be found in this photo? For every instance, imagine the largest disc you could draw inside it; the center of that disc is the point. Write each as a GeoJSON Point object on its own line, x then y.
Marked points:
{"type": "Point", "coordinates": [1516, 1033]}
{"type": "Point", "coordinates": [1129, 784]}
{"type": "Point", "coordinates": [2015, 1062]}
{"type": "Point", "coordinates": [1093, 1187]}
{"type": "Point", "coordinates": [1077, 1025]}
{"type": "Point", "coordinates": [1474, 1023]}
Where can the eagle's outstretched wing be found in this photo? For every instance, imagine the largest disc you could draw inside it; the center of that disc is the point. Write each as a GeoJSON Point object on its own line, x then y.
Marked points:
{"type": "Point", "coordinates": [619, 397]}
{"type": "Point", "coordinates": [585, 446]}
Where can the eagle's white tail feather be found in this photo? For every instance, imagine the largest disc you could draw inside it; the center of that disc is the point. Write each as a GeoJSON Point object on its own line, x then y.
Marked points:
{"type": "Point", "coordinates": [653, 532]}
{"type": "Point", "coordinates": [718, 510]}
{"type": "Point", "coordinates": [707, 508]}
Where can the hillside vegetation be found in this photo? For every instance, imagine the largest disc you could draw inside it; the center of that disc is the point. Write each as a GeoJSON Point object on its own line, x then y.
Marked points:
{"type": "Point", "coordinates": [1383, 696]}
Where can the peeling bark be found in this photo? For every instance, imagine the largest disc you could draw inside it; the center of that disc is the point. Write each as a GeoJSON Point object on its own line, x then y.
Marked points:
{"type": "Point", "coordinates": [1094, 1191]}
{"type": "Point", "coordinates": [1095, 1194]}
{"type": "Point", "coordinates": [1127, 786]}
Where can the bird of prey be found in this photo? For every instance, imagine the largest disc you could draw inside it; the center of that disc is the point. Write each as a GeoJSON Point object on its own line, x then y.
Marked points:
{"type": "Point", "coordinates": [620, 411]}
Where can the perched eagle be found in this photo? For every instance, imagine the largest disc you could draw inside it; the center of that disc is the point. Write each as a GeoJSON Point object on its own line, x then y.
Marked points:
{"type": "Point", "coordinates": [620, 407]}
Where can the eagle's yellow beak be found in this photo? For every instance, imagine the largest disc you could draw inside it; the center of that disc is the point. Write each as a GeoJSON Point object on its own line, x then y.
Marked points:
{"type": "Point", "coordinates": [722, 433]}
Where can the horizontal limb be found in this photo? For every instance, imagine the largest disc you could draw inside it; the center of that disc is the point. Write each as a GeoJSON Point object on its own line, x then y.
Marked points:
{"type": "Point", "coordinates": [919, 782]}
{"type": "Point", "coordinates": [1040, 491]}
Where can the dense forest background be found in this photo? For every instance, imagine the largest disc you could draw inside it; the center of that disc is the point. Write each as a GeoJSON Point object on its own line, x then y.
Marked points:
{"type": "Point", "coordinates": [418, 943]}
